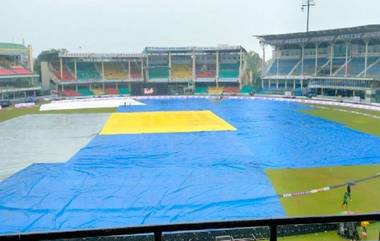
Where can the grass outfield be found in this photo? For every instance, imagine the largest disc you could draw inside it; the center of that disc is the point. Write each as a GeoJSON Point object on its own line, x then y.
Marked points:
{"type": "Point", "coordinates": [365, 196]}
{"type": "Point", "coordinates": [9, 113]}
{"type": "Point", "coordinates": [366, 121]}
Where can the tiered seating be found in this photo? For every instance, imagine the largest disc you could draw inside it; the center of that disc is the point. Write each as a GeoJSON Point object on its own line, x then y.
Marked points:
{"type": "Point", "coordinates": [247, 89]}
{"type": "Point", "coordinates": [231, 90]}
{"type": "Point", "coordinates": [85, 91]}
{"type": "Point", "coordinates": [375, 69]}
{"type": "Point", "coordinates": [182, 71]}
{"type": "Point", "coordinates": [201, 90]}
{"type": "Point", "coordinates": [115, 71]}
{"type": "Point", "coordinates": [4, 71]}
{"type": "Point", "coordinates": [135, 70]}
{"type": "Point", "coordinates": [205, 70]}
{"type": "Point", "coordinates": [14, 70]}
{"type": "Point", "coordinates": [159, 73]}
{"type": "Point", "coordinates": [111, 91]}
{"type": "Point", "coordinates": [284, 66]}
{"type": "Point", "coordinates": [98, 91]}
{"type": "Point", "coordinates": [229, 70]}
{"type": "Point", "coordinates": [123, 91]}
{"type": "Point", "coordinates": [87, 71]}
{"type": "Point", "coordinates": [215, 90]}
{"type": "Point", "coordinates": [309, 66]}
{"type": "Point", "coordinates": [70, 93]}
{"type": "Point", "coordinates": [66, 73]}
{"type": "Point", "coordinates": [20, 70]}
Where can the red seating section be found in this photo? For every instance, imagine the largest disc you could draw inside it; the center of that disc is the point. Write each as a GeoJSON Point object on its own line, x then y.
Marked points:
{"type": "Point", "coordinates": [111, 91]}
{"type": "Point", "coordinates": [231, 90]}
{"type": "Point", "coordinates": [14, 70]}
{"type": "Point", "coordinates": [66, 74]}
{"type": "Point", "coordinates": [135, 75]}
{"type": "Point", "coordinates": [70, 93]}
{"type": "Point", "coordinates": [206, 74]}
{"type": "Point", "coordinates": [20, 70]}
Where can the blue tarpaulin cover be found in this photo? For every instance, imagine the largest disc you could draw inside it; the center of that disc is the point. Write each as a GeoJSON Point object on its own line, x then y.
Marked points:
{"type": "Point", "coordinates": [125, 180]}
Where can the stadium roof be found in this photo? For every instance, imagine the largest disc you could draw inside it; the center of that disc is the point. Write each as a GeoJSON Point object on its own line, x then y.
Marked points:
{"type": "Point", "coordinates": [222, 48]}
{"type": "Point", "coordinates": [11, 46]}
{"type": "Point", "coordinates": [344, 34]}
{"type": "Point", "coordinates": [12, 49]}
{"type": "Point", "coordinates": [99, 55]}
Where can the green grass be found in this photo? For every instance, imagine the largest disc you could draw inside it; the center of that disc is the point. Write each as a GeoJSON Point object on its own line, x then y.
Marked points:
{"type": "Point", "coordinates": [365, 196]}
{"type": "Point", "coordinates": [9, 113]}
{"type": "Point", "coordinates": [366, 124]}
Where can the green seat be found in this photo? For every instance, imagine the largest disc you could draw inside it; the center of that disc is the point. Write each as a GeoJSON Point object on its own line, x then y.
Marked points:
{"type": "Point", "coordinates": [84, 91]}
{"type": "Point", "coordinates": [247, 89]}
{"type": "Point", "coordinates": [87, 71]}
{"type": "Point", "coordinates": [159, 73]}
{"type": "Point", "coordinates": [124, 91]}
{"type": "Point", "coordinates": [201, 90]}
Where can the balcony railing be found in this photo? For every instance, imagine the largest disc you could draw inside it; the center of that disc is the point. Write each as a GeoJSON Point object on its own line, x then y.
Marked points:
{"type": "Point", "coordinates": [158, 230]}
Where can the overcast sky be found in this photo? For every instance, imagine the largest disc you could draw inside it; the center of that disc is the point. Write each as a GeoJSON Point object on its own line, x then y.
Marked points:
{"type": "Point", "coordinates": [130, 25]}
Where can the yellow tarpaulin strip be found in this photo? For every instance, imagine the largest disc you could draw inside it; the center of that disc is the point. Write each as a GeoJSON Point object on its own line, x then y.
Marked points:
{"type": "Point", "coordinates": [164, 122]}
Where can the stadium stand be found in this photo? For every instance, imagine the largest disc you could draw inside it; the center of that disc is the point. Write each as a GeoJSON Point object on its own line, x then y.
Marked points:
{"type": "Point", "coordinates": [232, 90]}
{"type": "Point", "coordinates": [124, 91]}
{"type": "Point", "coordinates": [201, 90]}
{"type": "Point", "coordinates": [70, 93]}
{"type": "Point", "coordinates": [115, 71]}
{"type": "Point", "coordinates": [205, 71]}
{"type": "Point", "coordinates": [111, 91]}
{"type": "Point", "coordinates": [67, 75]}
{"type": "Point", "coordinates": [5, 71]}
{"type": "Point", "coordinates": [348, 63]}
{"type": "Point", "coordinates": [229, 70]}
{"type": "Point", "coordinates": [85, 91]}
{"type": "Point", "coordinates": [87, 70]}
{"type": "Point", "coordinates": [215, 90]}
{"type": "Point", "coordinates": [247, 89]}
{"type": "Point", "coordinates": [181, 71]}
{"type": "Point", "coordinates": [98, 91]}
{"type": "Point", "coordinates": [159, 73]}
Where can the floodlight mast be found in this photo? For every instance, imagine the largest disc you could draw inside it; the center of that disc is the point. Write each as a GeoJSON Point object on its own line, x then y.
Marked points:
{"type": "Point", "coordinates": [307, 4]}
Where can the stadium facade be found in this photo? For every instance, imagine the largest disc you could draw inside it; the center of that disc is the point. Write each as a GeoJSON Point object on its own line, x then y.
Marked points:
{"type": "Point", "coordinates": [175, 70]}
{"type": "Point", "coordinates": [337, 62]}
{"type": "Point", "coordinates": [17, 78]}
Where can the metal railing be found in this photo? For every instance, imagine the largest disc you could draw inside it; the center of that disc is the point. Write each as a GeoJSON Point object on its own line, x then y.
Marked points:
{"type": "Point", "coordinates": [158, 230]}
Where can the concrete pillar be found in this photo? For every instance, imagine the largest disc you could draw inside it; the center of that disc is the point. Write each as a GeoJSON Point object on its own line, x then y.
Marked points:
{"type": "Point", "coordinates": [331, 58]}
{"type": "Point", "coordinates": [277, 59]}
{"type": "Point", "coordinates": [241, 67]}
{"type": "Point", "coordinates": [170, 65]}
{"type": "Point", "coordinates": [61, 67]}
{"type": "Point", "coordinates": [294, 84]}
{"type": "Point", "coordinates": [102, 65]}
{"type": "Point", "coordinates": [302, 58]}
{"type": "Point", "coordinates": [366, 58]}
{"type": "Point", "coordinates": [217, 69]}
{"type": "Point", "coordinates": [277, 84]}
{"type": "Point", "coordinates": [316, 60]}
{"type": "Point", "coordinates": [129, 70]}
{"type": "Point", "coordinates": [346, 61]}
{"type": "Point", "coordinates": [194, 74]}
{"type": "Point", "coordinates": [75, 69]}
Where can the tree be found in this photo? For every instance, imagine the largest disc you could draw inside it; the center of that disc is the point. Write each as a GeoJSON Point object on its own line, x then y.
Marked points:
{"type": "Point", "coordinates": [254, 65]}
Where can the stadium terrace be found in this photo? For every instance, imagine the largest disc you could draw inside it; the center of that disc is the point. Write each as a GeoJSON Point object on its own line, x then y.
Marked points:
{"type": "Point", "coordinates": [155, 71]}
{"type": "Point", "coordinates": [334, 62]}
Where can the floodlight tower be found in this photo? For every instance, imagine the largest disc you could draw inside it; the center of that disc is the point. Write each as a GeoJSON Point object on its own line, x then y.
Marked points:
{"type": "Point", "coordinates": [307, 4]}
